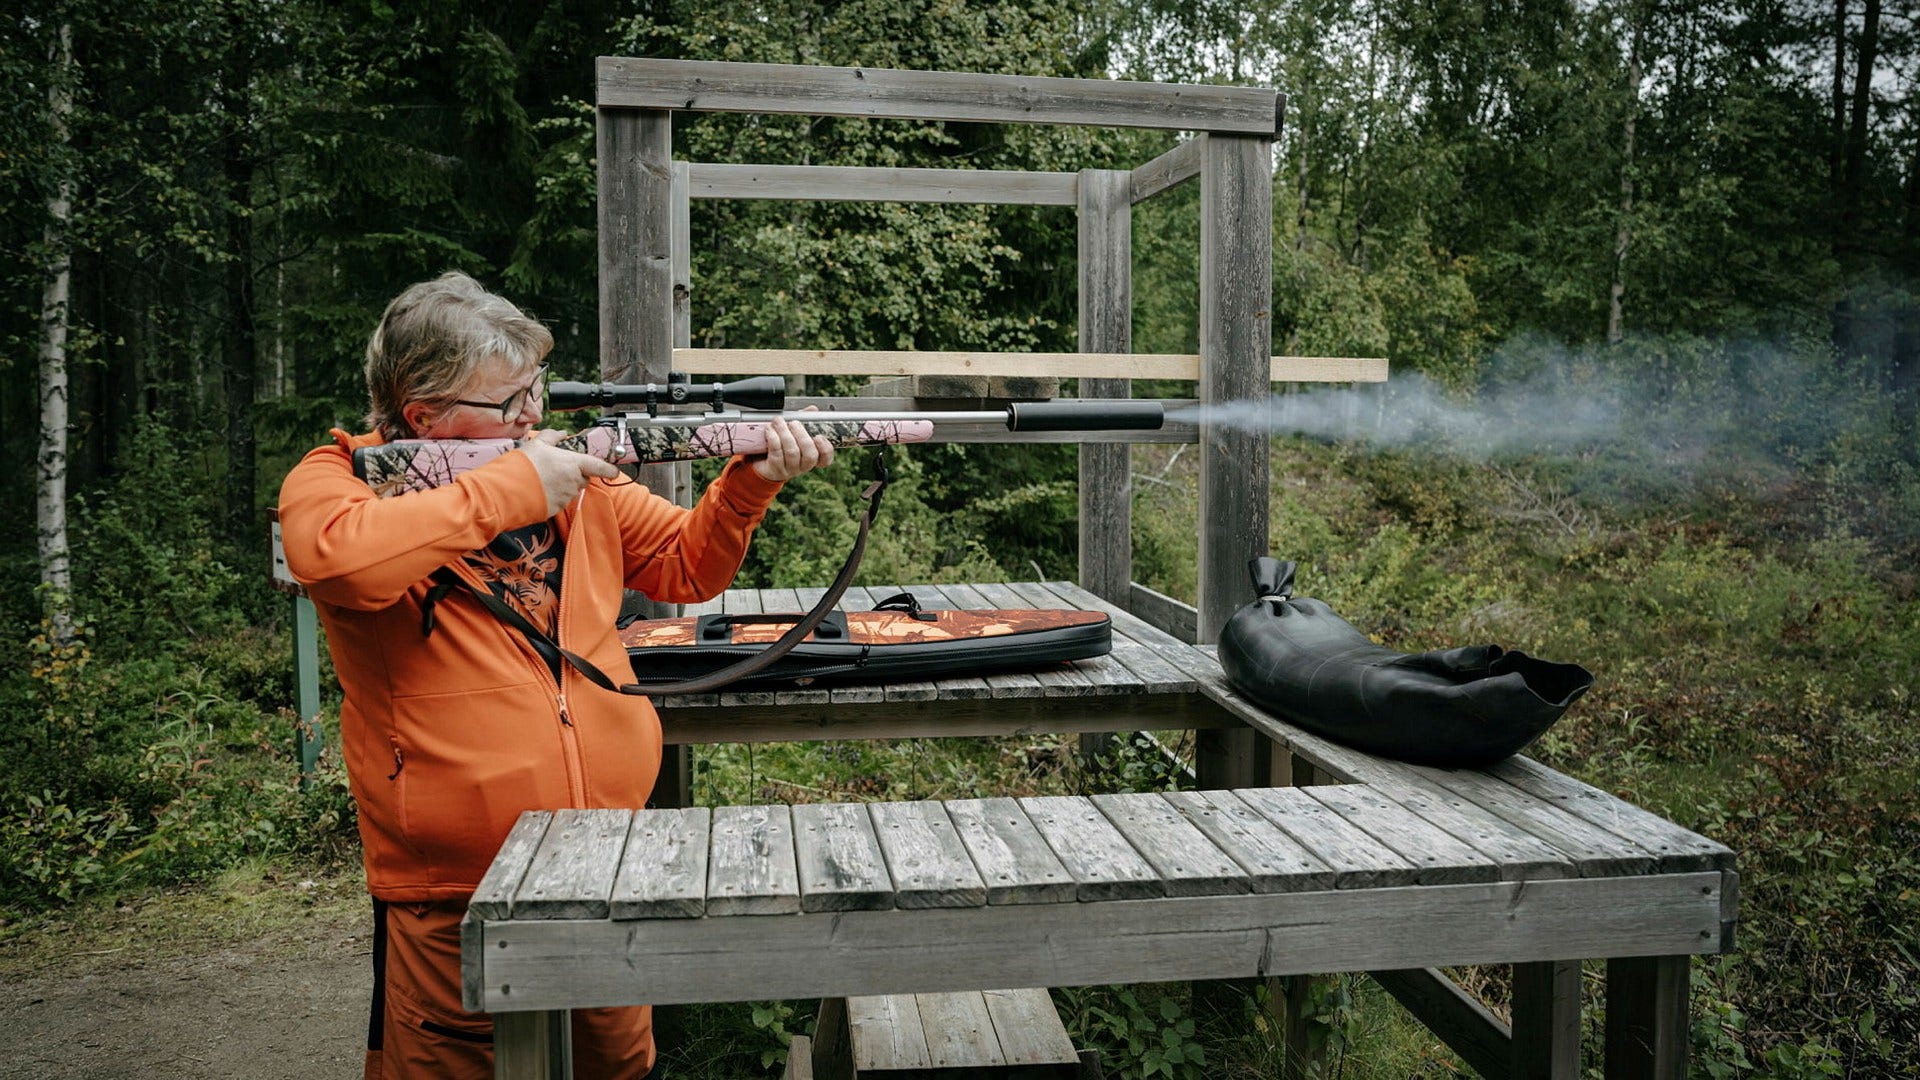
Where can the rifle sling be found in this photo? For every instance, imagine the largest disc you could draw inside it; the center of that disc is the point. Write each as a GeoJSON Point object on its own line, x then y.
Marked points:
{"type": "Point", "coordinates": [446, 580]}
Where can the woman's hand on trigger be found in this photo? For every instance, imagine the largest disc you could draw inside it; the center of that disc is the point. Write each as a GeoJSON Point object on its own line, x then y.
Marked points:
{"type": "Point", "coordinates": [791, 451]}
{"type": "Point", "coordinates": [563, 473]}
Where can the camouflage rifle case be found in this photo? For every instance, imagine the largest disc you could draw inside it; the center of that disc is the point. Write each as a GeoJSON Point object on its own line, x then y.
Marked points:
{"type": "Point", "coordinates": [895, 641]}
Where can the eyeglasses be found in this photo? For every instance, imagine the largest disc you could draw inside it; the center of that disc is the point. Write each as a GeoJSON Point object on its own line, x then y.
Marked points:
{"type": "Point", "coordinates": [516, 401]}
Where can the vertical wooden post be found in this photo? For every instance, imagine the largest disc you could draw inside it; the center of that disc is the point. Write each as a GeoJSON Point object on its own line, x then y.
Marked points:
{"type": "Point", "coordinates": [674, 786]}
{"type": "Point", "coordinates": [1646, 1036]}
{"type": "Point", "coordinates": [306, 662]}
{"type": "Point", "coordinates": [1546, 1020]}
{"type": "Point", "coordinates": [533, 1045]}
{"type": "Point", "coordinates": [634, 148]}
{"type": "Point", "coordinates": [1106, 326]}
{"type": "Point", "coordinates": [1236, 347]}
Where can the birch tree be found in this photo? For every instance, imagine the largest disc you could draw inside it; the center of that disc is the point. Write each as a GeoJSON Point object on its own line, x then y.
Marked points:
{"type": "Point", "coordinates": [51, 460]}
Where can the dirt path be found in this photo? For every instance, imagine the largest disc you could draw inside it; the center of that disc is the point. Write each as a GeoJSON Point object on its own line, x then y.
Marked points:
{"type": "Point", "coordinates": [248, 978]}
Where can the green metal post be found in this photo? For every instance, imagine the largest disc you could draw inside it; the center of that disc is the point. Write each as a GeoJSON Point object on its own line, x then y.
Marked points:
{"type": "Point", "coordinates": [306, 662]}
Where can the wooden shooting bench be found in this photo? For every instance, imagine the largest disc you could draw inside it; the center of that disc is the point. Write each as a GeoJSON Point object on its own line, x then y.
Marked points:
{"type": "Point", "coordinates": [1295, 857]}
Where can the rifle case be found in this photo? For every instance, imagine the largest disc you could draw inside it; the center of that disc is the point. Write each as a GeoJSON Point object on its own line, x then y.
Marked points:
{"type": "Point", "coordinates": [897, 640]}
{"type": "Point", "coordinates": [1453, 707]}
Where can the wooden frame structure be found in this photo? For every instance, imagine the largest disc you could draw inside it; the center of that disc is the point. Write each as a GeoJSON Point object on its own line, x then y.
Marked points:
{"type": "Point", "coordinates": [646, 293]}
{"type": "Point", "coordinates": [646, 287]}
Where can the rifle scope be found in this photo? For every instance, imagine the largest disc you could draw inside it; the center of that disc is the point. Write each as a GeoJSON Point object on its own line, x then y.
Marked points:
{"type": "Point", "coordinates": [765, 393]}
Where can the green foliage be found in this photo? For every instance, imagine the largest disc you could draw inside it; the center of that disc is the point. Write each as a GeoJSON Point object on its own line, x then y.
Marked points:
{"type": "Point", "coordinates": [1143, 1031]}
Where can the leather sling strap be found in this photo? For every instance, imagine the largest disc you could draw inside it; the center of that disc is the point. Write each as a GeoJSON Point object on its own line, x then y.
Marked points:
{"type": "Point", "coordinates": [446, 580]}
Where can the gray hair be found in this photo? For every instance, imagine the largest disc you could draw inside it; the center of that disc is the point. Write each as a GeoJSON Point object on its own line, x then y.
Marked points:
{"type": "Point", "coordinates": [432, 339]}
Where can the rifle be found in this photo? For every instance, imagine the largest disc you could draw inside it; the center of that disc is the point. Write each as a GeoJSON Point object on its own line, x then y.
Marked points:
{"type": "Point", "coordinates": [711, 429]}
{"type": "Point", "coordinates": [727, 419]}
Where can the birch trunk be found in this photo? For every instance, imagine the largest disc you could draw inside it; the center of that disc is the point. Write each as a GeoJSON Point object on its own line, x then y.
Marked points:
{"type": "Point", "coordinates": [1623, 238]}
{"type": "Point", "coordinates": [56, 576]}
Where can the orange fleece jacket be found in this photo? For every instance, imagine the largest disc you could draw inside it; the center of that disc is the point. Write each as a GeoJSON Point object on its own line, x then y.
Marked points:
{"type": "Point", "coordinates": [448, 737]}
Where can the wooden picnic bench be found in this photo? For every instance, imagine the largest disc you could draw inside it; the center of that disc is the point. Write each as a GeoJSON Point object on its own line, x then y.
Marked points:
{"type": "Point", "coordinates": [1361, 864]}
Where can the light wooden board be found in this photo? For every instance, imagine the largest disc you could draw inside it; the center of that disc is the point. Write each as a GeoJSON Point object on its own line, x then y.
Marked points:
{"type": "Point", "coordinates": [1358, 860]}
{"type": "Point", "coordinates": [858, 184]}
{"type": "Point", "coordinates": [959, 1031]}
{"type": "Point", "coordinates": [1187, 863]}
{"type": "Point", "coordinates": [1101, 861]}
{"type": "Point", "coordinates": [802, 362]}
{"type": "Point", "coordinates": [493, 897]}
{"type": "Point", "coordinates": [751, 868]}
{"type": "Point", "coordinates": [840, 865]}
{"type": "Point", "coordinates": [572, 872]}
{"type": "Point", "coordinates": [887, 1033]}
{"type": "Point", "coordinates": [727, 86]}
{"type": "Point", "coordinates": [1176, 166]}
{"type": "Point", "coordinates": [1676, 847]}
{"type": "Point", "coordinates": [925, 856]}
{"type": "Point", "coordinates": [1012, 857]}
{"type": "Point", "coordinates": [1029, 1028]}
{"type": "Point", "coordinates": [663, 872]}
{"type": "Point", "coordinates": [1439, 857]}
{"type": "Point", "coordinates": [663, 961]}
{"type": "Point", "coordinates": [1272, 860]}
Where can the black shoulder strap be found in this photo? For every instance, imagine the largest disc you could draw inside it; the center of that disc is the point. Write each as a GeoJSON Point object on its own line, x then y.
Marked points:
{"type": "Point", "coordinates": [445, 580]}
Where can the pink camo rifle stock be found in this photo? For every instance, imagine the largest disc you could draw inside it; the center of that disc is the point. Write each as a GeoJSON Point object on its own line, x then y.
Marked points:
{"type": "Point", "coordinates": [405, 465]}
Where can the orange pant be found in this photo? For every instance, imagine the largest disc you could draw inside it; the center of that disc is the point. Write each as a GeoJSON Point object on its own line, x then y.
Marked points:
{"type": "Point", "coordinates": [418, 1029]}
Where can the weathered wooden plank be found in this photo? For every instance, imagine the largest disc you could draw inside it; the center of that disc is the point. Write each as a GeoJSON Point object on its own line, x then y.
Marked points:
{"type": "Point", "coordinates": [925, 856]}
{"type": "Point", "coordinates": [493, 897]}
{"type": "Point", "coordinates": [663, 961]}
{"type": "Point", "coordinates": [1101, 861]}
{"type": "Point", "coordinates": [1029, 1028]}
{"type": "Point", "coordinates": [572, 873]}
{"type": "Point", "coordinates": [1676, 847]}
{"type": "Point", "coordinates": [663, 872]}
{"type": "Point", "coordinates": [887, 1033]}
{"type": "Point", "coordinates": [1273, 861]}
{"type": "Point", "coordinates": [840, 865]}
{"type": "Point", "coordinates": [1163, 612]}
{"type": "Point", "coordinates": [751, 868]}
{"type": "Point", "coordinates": [1439, 857]}
{"type": "Point", "coordinates": [959, 1031]}
{"type": "Point", "coordinates": [799, 1059]}
{"type": "Point", "coordinates": [1517, 854]}
{"type": "Point", "coordinates": [1357, 859]}
{"type": "Point", "coordinates": [1236, 338]}
{"type": "Point", "coordinates": [743, 602]}
{"type": "Point", "coordinates": [1012, 857]}
{"type": "Point", "coordinates": [473, 960]}
{"type": "Point", "coordinates": [1192, 664]}
{"type": "Point", "coordinates": [726, 86]}
{"type": "Point", "coordinates": [1175, 167]}
{"type": "Point", "coordinates": [845, 183]}
{"type": "Point", "coordinates": [1594, 850]}
{"type": "Point", "coordinates": [1074, 365]}
{"type": "Point", "coordinates": [1187, 862]}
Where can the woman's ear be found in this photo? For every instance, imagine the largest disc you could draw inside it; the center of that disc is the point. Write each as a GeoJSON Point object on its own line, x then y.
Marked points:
{"type": "Point", "coordinates": [418, 415]}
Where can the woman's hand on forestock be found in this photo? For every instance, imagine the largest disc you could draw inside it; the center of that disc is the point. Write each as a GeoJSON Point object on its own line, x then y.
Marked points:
{"type": "Point", "coordinates": [563, 473]}
{"type": "Point", "coordinates": [791, 451]}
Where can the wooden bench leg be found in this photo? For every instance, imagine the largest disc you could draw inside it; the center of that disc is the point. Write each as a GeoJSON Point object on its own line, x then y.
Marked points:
{"type": "Point", "coordinates": [533, 1045]}
{"type": "Point", "coordinates": [1291, 997]}
{"type": "Point", "coordinates": [1546, 1020]}
{"type": "Point", "coordinates": [832, 1041]}
{"type": "Point", "coordinates": [1646, 1035]}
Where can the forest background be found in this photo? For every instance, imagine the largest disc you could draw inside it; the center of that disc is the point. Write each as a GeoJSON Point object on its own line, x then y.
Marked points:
{"type": "Point", "coordinates": [1646, 273]}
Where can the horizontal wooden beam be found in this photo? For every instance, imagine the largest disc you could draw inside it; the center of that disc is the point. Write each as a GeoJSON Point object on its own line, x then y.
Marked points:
{"type": "Point", "coordinates": [533, 964]}
{"type": "Point", "coordinates": [1062, 365]}
{"type": "Point", "coordinates": [984, 717]}
{"type": "Point", "coordinates": [1164, 612]}
{"type": "Point", "coordinates": [719, 86]}
{"type": "Point", "coordinates": [854, 184]}
{"type": "Point", "coordinates": [1176, 166]}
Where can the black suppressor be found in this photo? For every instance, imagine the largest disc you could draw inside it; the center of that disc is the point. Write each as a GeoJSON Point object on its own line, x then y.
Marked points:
{"type": "Point", "coordinates": [1085, 415]}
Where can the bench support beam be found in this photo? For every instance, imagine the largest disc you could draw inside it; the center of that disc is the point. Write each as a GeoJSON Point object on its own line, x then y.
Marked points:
{"type": "Point", "coordinates": [1646, 1035]}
